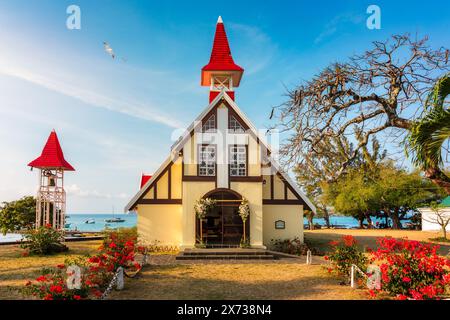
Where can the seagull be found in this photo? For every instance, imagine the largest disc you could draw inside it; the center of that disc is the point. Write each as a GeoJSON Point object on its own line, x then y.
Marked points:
{"type": "Point", "coordinates": [108, 49]}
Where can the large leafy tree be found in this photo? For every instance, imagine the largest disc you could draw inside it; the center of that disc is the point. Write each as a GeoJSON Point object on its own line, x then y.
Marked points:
{"type": "Point", "coordinates": [373, 93]}
{"type": "Point", "coordinates": [429, 133]}
{"type": "Point", "coordinates": [17, 215]}
{"type": "Point", "coordinates": [313, 172]}
{"type": "Point", "coordinates": [401, 192]}
{"type": "Point", "coordinates": [381, 191]}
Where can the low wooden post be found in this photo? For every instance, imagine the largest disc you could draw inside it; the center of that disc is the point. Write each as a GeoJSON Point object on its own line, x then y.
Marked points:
{"type": "Point", "coordinates": [120, 282]}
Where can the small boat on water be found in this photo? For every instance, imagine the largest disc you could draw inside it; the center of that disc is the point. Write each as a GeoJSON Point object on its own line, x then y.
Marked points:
{"type": "Point", "coordinates": [115, 220]}
{"type": "Point", "coordinates": [90, 221]}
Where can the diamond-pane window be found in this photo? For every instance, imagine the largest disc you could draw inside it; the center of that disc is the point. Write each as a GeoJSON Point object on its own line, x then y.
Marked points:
{"type": "Point", "coordinates": [210, 124]}
{"type": "Point", "coordinates": [238, 161]}
{"type": "Point", "coordinates": [207, 160]}
{"type": "Point", "coordinates": [235, 126]}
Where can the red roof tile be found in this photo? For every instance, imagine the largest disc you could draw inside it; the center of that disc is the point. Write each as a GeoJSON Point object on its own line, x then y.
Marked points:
{"type": "Point", "coordinates": [144, 179]}
{"type": "Point", "coordinates": [221, 58]}
{"type": "Point", "coordinates": [52, 156]}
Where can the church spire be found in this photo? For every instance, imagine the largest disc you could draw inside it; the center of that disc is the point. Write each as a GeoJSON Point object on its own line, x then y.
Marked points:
{"type": "Point", "coordinates": [221, 73]}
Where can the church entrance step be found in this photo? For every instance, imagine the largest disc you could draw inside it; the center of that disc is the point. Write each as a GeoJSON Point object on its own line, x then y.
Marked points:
{"type": "Point", "coordinates": [225, 254]}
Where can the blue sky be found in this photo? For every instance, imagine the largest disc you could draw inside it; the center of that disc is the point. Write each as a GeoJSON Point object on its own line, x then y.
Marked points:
{"type": "Point", "coordinates": [115, 118]}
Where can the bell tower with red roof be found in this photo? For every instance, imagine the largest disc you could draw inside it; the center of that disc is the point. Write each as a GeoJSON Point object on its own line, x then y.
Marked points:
{"type": "Point", "coordinates": [221, 73]}
{"type": "Point", "coordinates": [51, 196]}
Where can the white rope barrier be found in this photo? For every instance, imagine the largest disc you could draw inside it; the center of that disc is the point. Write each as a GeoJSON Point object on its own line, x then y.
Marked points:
{"type": "Point", "coordinates": [118, 278]}
{"type": "Point", "coordinates": [372, 281]}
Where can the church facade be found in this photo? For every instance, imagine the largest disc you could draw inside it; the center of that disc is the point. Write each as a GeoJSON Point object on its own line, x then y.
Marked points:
{"type": "Point", "coordinates": [222, 157]}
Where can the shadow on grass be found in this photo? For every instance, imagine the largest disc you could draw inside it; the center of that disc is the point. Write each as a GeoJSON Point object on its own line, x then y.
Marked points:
{"type": "Point", "coordinates": [181, 282]}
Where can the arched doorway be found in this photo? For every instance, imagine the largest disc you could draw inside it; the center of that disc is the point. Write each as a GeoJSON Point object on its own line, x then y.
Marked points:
{"type": "Point", "coordinates": [223, 227]}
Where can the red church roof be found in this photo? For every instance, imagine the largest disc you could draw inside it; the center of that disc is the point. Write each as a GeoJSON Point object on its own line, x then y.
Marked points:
{"type": "Point", "coordinates": [221, 58]}
{"type": "Point", "coordinates": [144, 179]}
{"type": "Point", "coordinates": [52, 156]}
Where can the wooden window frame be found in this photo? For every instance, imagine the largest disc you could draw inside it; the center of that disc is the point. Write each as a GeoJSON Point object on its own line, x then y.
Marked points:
{"type": "Point", "coordinates": [198, 160]}
{"type": "Point", "coordinates": [231, 177]}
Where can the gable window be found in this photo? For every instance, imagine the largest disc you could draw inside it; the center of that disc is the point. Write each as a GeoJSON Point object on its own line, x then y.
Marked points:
{"type": "Point", "coordinates": [210, 124]}
{"type": "Point", "coordinates": [207, 160]}
{"type": "Point", "coordinates": [238, 161]}
{"type": "Point", "coordinates": [234, 125]}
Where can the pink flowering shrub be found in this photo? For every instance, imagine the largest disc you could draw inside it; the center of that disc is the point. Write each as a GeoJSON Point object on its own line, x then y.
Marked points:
{"type": "Point", "coordinates": [411, 270]}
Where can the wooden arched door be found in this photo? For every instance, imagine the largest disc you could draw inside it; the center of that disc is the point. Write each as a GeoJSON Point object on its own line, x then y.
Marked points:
{"type": "Point", "coordinates": [223, 227]}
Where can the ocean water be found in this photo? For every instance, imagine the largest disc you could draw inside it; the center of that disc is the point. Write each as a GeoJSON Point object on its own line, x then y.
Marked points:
{"type": "Point", "coordinates": [349, 222]}
{"type": "Point", "coordinates": [78, 221]}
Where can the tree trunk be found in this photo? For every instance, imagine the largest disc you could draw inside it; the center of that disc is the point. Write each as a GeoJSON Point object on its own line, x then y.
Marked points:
{"type": "Point", "coordinates": [395, 220]}
{"type": "Point", "coordinates": [361, 221]}
{"type": "Point", "coordinates": [444, 231]}
{"type": "Point", "coordinates": [369, 221]}
{"type": "Point", "coordinates": [439, 178]}
{"type": "Point", "coordinates": [326, 217]}
{"type": "Point", "coordinates": [310, 222]}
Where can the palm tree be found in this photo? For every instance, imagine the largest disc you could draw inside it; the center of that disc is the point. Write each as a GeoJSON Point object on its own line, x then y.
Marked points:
{"type": "Point", "coordinates": [429, 133]}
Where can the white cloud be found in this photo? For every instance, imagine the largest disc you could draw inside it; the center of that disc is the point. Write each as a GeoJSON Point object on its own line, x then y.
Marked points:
{"type": "Point", "coordinates": [129, 108]}
{"type": "Point", "coordinates": [76, 191]}
{"type": "Point", "coordinates": [336, 23]}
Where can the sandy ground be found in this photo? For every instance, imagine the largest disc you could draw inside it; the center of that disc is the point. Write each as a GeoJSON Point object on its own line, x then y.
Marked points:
{"type": "Point", "coordinates": [237, 281]}
{"type": "Point", "coordinates": [164, 278]}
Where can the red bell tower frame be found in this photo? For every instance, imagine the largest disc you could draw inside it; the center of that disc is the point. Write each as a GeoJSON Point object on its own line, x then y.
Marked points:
{"type": "Point", "coordinates": [51, 196]}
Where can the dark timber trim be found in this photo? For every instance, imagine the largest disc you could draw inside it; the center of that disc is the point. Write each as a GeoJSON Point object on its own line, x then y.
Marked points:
{"type": "Point", "coordinates": [199, 178]}
{"type": "Point", "coordinates": [169, 183]}
{"type": "Point", "coordinates": [271, 187]}
{"type": "Point", "coordinates": [284, 202]}
{"type": "Point", "coordinates": [160, 201]}
{"type": "Point", "coordinates": [246, 179]}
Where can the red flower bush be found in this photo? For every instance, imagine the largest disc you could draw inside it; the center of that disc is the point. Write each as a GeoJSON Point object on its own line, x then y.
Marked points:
{"type": "Point", "coordinates": [345, 253]}
{"type": "Point", "coordinates": [52, 286]}
{"type": "Point", "coordinates": [411, 270]}
{"type": "Point", "coordinates": [118, 250]}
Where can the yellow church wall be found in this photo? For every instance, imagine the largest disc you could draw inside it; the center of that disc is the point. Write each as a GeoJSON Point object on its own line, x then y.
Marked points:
{"type": "Point", "coordinates": [192, 191]}
{"type": "Point", "coordinates": [291, 196]}
{"type": "Point", "coordinates": [292, 215]}
{"type": "Point", "coordinates": [150, 194]}
{"type": "Point", "coordinates": [175, 181]}
{"type": "Point", "coordinates": [189, 153]}
{"type": "Point", "coordinates": [254, 157]}
{"type": "Point", "coordinates": [266, 187]}
{"type": "Point", "coordinates": [278, 187]}
{"type": "Point", "coordinates": [162, 223]}
{"type": "Point", "coordinates": [162, 186]}
{"type": "Point", "coordinates": [253, 193]}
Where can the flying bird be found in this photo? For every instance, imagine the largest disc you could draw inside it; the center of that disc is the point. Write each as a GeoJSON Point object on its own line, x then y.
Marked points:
{"type": "Point", "coordinates": [108, 49]}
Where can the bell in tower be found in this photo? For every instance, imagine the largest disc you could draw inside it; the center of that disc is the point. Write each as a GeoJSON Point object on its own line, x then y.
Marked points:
{"type": "Point", "coordinates": [51, 196]}
{"type": "Point", "coordinates": [221, 73]}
